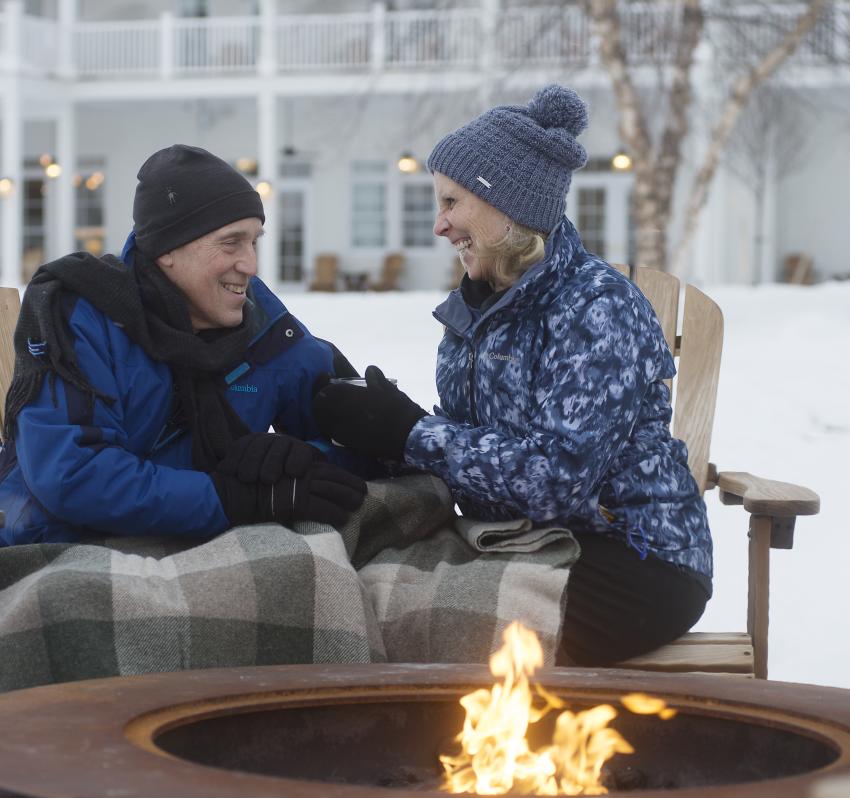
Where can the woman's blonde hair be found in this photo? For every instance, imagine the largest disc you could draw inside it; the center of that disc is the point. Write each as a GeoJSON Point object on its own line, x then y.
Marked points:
{"type": "Point", "coordinates": [520, 248]}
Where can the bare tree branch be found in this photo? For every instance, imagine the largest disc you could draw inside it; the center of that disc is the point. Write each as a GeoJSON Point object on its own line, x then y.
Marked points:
{"type": "Point", "coordinates": [740, 93]}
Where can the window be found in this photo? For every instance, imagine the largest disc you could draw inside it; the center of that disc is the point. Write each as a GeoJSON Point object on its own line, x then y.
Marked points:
{"type": "Point", "coordinates": [89, 229]}
{"type": "Point", "coordinates": [369, 204]}
{"type": "Point", "coordinates": [34, 232]}
{"type": "Point", "coordinates": [291, 261]}
{"type": "Point", "coordinates": [591, 219]}
{"type": "Point", "coordinates": [417, 217]}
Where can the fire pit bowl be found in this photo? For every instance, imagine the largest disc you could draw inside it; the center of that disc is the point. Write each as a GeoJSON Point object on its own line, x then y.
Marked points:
{"type": "Point", "coordinates": [341, 731]}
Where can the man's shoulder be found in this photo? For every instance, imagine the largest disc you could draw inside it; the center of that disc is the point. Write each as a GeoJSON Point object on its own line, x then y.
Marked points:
{"type": "Point", "coordinates": [266, 298]}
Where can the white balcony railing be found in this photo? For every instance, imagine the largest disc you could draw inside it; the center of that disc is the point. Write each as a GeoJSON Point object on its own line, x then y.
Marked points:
{"type": "Point", "coordinates": [105, 49]}
{"type": "Point", "coordinates": [394, 40]}
{"type": "Point", "coordinates": [433, 39]}
{"type": "Point", "coordinates": [324, 41]}
{"type": "Point", "coordinates": [217, 44]}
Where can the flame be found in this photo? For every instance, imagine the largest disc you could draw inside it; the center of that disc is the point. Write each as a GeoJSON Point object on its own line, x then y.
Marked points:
{"type": "Point", "coordinates": [643, 704]}
{"type": "Point", "coordinates": [495, 756]}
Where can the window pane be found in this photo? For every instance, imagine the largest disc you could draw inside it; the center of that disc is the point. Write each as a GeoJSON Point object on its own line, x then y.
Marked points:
{"type": "Point", "coordinates": [89, 230]}
{"type": "Point", "coordinates": [291, 260]}
{"type": "Point", "coordinates": [418, 208]}
{"type": "Point", "coordinates": [368, 214]}
{"type": "Point", "coordinates": [591, 219]}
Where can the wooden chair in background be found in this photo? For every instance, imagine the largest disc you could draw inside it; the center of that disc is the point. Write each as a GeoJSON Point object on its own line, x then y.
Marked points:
{"type": "Point", "coordinates": [325, 273]}
{"type": "Point", "coordinates": [798, 269]}
{"type": "Point", "coordinates": [391, 271]}
{"type": "Point", "coordinates": [772, 506]}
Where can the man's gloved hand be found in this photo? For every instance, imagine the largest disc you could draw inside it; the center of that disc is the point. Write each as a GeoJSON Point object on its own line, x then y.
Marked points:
{"type": "Point", "coordinates": [266, 457]}
{"type": "Point", "coordinates": [325, 493]}
{"type": "Point", "coordinates": [376, 419]}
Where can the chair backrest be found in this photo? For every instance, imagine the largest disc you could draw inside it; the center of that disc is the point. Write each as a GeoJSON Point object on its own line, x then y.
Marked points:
{"type": "Point", "coordinates": [391, 271]}
{"type": "Point", "coordinates": [696, 343]}
{"type": "Point", "coordinates": [325, 273]}
{"type": "Point", "coordinates": [10, 307]}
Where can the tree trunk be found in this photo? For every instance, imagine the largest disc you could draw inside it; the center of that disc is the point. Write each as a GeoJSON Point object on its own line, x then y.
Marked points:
{"type": "Point", "coordinates": [731, 110]}
{"type": "Point", "coordinates": [654, 172]}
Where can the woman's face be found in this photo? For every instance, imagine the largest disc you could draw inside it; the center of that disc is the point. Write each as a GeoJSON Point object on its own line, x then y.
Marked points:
{"type": "Point", "coordinates": [469, 223]}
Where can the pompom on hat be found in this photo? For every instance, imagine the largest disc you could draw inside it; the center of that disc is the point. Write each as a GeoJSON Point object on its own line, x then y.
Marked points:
{"type": "Point", "coordinates": [519, 158]}
{"type": "Point", "coordinates": [184, 193]}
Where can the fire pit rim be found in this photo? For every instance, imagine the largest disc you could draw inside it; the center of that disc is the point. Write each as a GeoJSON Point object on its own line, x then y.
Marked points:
{"type": "Point", "coordinates": [143, 730]}
{"type": "Point", "coordinates": [38, 767]}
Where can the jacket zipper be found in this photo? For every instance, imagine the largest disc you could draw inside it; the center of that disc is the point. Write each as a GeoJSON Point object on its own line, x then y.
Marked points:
{"type": "Point", "coordinates": [472, 414]}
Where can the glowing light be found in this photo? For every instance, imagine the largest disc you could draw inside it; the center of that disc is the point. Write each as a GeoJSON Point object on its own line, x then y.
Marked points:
{"type": "Point", "coordinates": [45, 159]}
{"type": "Point", "coordinates": [246, 165]}
{"type": "Point", "coordinates": [7, 185]}
{"type": "Point", "coordinates": [621, 162]}
{"type": "Point", "coordinates": [264, 188]}
{"type": "Point", "coordinates": [407, 163]}
{"type": "Point", "coordinates": [53, 170]}
{"type": "Point", "coordinates": [94, 180]}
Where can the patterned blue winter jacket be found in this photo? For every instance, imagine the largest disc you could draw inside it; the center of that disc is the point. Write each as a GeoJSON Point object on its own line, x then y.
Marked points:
{"type": "Point", "coordinates": [125, 469]}
{"type": "Point", "coordinates": [553, 407]}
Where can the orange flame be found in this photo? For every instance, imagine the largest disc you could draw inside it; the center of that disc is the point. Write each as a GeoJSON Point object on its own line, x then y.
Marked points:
{"type": "Point", "coordinates": [495, 756]}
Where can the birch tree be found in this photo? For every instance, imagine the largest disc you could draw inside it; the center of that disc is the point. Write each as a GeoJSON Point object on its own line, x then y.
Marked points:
{"type": "Point", "coordinates": [656, 148]}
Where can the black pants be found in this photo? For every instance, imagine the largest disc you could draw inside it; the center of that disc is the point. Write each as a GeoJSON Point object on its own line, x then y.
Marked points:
{"type": "Point", "coordinates": [619, 606]}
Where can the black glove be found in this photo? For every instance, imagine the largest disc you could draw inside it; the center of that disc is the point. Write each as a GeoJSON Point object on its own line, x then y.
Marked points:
{"type": "Point", "coordinates": [266, 457]}
{"type": "Point", "coordinates": [376, 419]}
{"type": "Point", "coordinates": [326, 493]}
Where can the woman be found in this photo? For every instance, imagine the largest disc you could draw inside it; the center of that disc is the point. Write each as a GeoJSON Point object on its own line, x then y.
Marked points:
{"type": "Point", "coordinates": [550, 376]}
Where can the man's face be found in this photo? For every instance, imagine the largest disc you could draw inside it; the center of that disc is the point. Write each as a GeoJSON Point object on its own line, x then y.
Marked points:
{"type": "Point", "coordinates": [213, 272]}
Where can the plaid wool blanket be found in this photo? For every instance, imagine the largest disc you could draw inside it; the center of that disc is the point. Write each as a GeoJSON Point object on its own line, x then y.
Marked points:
{"type": "Point", "coordinates": [400, 582]}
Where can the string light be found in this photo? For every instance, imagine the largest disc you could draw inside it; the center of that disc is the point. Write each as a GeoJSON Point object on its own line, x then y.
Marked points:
{"type": "Point", "coordinates": [264, 188]}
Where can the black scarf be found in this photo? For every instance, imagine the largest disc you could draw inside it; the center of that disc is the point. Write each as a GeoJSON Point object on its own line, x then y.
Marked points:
{"type": "Point", "coordinates": [152, 312]}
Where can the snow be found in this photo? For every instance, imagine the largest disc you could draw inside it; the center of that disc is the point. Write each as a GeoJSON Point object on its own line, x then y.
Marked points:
{"type": "Point", "coordinates": [782, 413]}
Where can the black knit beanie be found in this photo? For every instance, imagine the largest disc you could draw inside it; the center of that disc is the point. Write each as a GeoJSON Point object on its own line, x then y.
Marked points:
{"type": "Point", "coordinates": [186, 192]}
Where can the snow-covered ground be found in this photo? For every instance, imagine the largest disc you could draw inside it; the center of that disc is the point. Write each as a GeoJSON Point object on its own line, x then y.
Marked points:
{"type": "Point", "coordinates": [783, 413]}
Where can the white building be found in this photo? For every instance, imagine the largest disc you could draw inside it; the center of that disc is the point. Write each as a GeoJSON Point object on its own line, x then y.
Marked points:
{"type": "Point", "coordinates": [318, 101]}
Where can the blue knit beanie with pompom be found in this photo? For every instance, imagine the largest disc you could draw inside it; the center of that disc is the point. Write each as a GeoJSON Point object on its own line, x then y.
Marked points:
{"type": "Point", "coordinates": [519, 158]}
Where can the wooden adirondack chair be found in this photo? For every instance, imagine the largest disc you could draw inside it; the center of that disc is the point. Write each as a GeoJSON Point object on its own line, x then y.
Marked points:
{"type": "Point", "coordinates": [772, 506]}
{"type": "Point", "coordinates": [325, 273]}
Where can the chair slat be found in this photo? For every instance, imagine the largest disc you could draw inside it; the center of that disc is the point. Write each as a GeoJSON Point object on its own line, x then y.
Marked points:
{"type": "Point", "coordinates": [10, 306]}
{"type": "Point", "coordinates": [696, 387]}
{"type": "Point", "coordinates": [662, 291]}
{"type": "Point", "coordinates": [704, 652]}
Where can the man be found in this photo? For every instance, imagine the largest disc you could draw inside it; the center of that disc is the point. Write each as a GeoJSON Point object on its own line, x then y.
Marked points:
{"type": "Point", "coordinates": [144, 388]}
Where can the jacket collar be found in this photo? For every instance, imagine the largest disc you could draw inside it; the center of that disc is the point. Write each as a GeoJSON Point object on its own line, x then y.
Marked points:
{"type": "Point", "coordinates": [556, 264]}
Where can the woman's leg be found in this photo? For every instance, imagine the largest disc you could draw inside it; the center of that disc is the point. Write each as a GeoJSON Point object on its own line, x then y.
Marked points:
{"type": "Point", "coordinates": [619, 606]}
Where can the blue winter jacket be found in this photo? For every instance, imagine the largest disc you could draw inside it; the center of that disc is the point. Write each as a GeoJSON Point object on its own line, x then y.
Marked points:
{"type": "Point", "coordinates": [124, 469]}
{"type": "Point", "coordinates": [553, 407]}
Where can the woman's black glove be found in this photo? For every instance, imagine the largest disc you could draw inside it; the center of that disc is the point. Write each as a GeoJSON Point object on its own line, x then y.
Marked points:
{"type": "Point", "coordinates": [266, 457]}
{"type": "Point", "coordinates": [325, 493]}
{"type": "Point", "coordinates": [376, 419]}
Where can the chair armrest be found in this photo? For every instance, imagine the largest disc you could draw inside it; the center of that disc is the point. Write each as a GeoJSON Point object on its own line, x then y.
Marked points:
{"type": "Point", "coordinates": [765, 496]}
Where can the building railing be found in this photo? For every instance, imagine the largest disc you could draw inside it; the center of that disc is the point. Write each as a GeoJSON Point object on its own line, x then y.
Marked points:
{"type": "Point", "coordinates": [323, 41]}
{"type": "Point", "coordinates": [391, 40]}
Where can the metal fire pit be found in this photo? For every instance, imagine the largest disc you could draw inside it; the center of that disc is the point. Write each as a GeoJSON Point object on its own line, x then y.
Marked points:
{"type": "Point", "coordinates": [351, 732]}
